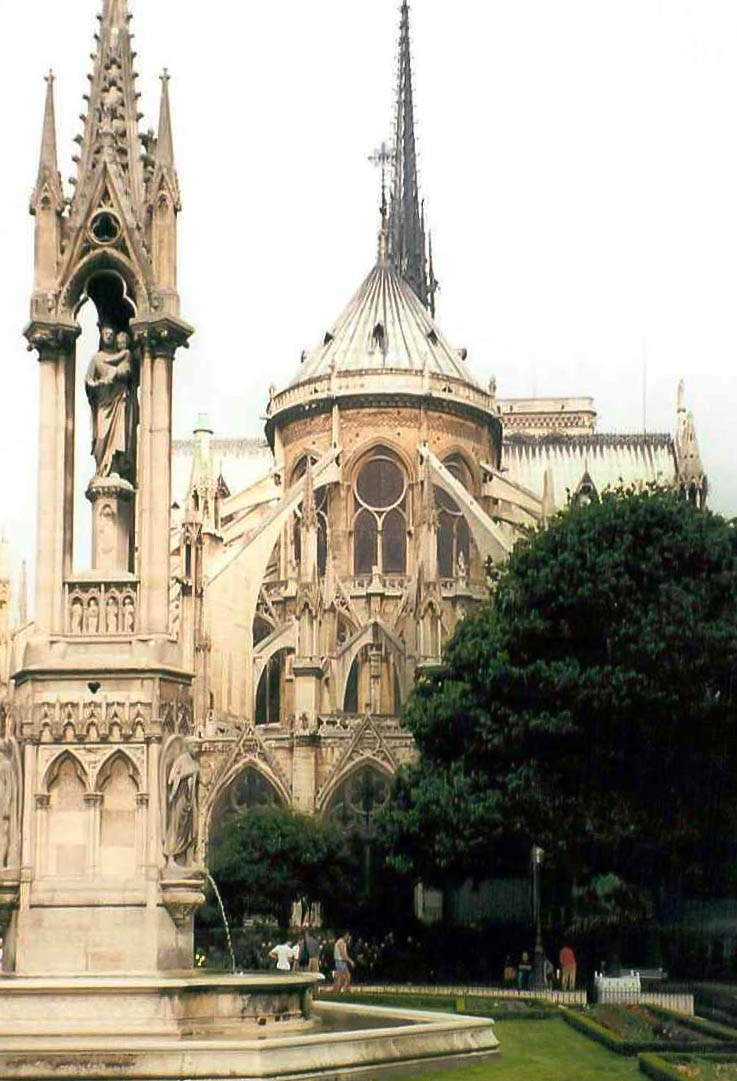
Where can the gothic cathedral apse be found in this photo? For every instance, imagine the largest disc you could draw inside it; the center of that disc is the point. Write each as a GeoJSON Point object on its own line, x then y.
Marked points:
{"type": "Point", "coordinates": [256, 609]}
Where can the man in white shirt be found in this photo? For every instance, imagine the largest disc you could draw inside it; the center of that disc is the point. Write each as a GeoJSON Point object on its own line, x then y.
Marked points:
{"type": "Point", "coordinates": [283, 954]}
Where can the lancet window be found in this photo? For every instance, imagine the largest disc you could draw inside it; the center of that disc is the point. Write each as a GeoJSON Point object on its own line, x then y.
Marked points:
{"type": "Point", "coordinates": [321, 505]}
{"type": "Point", "coordinates": [273, 695]}
{"type": "Point", "coordinates": [454, 537]}
{"type": "Point", "coordinates": [380, 518]}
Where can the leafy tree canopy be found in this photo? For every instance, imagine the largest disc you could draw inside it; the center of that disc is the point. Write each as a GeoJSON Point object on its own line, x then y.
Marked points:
{"type": "Point", "coordinates": [588, 706]}
{"type": "Point", "coordinates": [269, 857]}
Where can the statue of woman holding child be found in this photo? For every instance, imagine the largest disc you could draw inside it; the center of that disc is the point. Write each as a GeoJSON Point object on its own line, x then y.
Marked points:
{"type": "Point", "coordinates": [110, 385]}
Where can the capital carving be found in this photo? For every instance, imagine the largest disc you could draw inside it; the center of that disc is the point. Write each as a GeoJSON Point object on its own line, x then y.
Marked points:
{"type": "Point", "coordinates": [162, 337]}
{"type": "Point", "coordinates": [51, 338]}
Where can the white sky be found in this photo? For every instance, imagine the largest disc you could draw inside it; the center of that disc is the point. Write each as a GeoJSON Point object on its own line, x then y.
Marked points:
{"type": "Point", "coordinates": [578, 159]}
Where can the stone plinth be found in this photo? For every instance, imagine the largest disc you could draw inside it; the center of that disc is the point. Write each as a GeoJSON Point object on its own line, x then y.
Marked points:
{"type": "Point", "coordinates": [112, 523]}
{"type": "Point", "coordinates": [356, 1038]}
{"type": "Point", "coordinates": [153, 1006]}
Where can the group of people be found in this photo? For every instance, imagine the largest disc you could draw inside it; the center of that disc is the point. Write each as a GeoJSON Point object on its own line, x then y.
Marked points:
{"type": "Point", "coordinates": [304, 955]}
{"type": "Point", "coordinates": [520, 975]}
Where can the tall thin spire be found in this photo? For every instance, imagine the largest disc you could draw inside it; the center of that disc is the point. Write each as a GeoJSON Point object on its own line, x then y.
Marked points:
{"type": "Point", "coordinates": [162, 160]}
{"type": "Point", "coordinates": [48, 180]}
{"type": "Point", "coordinates": [111, 123]}
{"type": "Point", "coordinates": [407, 248]}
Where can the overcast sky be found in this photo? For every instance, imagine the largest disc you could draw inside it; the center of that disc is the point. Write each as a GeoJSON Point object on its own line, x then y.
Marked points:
{"type": "Point", "coordinates": [578, 160]}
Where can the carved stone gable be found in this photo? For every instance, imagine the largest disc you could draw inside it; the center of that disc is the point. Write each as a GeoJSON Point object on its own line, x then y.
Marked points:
{"type": "Point", "coordinates": [367, 743]}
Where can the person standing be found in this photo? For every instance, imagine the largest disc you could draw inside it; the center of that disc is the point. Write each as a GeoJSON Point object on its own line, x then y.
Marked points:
{"type": "Point", "coordinates": [344, 965]}
{"type": "Point", "coordinates": [524, 972]}
{"type": "Point", "coordinates": [283, 954]}
{"type": "Point", "coordinates": [312, 949]}
{"type": "Point", "coordinates": [567, 960]}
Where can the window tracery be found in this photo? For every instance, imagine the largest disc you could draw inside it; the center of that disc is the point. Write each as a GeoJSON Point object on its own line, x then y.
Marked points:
{"type": "Point", "coordinates": [380, 518]}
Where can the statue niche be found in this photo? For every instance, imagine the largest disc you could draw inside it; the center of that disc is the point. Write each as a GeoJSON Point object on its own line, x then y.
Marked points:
{"type": "Point", "coordinates": [110, 386]}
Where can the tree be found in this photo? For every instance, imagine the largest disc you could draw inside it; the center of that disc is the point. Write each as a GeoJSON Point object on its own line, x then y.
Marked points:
{"type": "Point", "coordinates": [588, 706]}
{"type": "Point", "coordinates": [266, 858]}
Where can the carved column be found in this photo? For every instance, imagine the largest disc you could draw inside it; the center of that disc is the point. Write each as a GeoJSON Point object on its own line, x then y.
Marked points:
{"type": "Point", "coordinates": [42, 832]}
{"type": "Point", "coordinates": [93, 803]}
{"type": "Point", "coordinates": [142, 801]}
{"type": "Point", "coordinates": [56, 352]}
{"type": "Point", "coordinates": [158, 341]}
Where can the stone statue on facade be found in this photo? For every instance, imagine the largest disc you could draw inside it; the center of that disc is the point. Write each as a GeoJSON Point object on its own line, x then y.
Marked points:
{"type": "Point", "coordinates": [10, 775]}
{"type": "Point", "coordinates": [111, 393]}
{"type": "Point", "coordinates": [180, 776]}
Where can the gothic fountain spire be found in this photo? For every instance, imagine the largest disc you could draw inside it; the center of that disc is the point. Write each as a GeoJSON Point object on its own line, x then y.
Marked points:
{"type": "Point", "coordinates": [407, 245]}
{"type": "Point", "coordinates": [164, 172]}
{"type": "Point", "coordinates": [48, 191]}
{"type": "Point", "coordinates": [110, 133]}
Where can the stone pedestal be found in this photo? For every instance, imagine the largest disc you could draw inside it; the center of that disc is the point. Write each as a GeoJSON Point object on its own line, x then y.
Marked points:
{"type": "Point", "coordinates": [112, 523]}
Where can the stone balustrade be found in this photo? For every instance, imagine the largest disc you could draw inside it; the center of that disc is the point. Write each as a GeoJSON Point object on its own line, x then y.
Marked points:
{"type": "Point", "coordinates": [388, 380]}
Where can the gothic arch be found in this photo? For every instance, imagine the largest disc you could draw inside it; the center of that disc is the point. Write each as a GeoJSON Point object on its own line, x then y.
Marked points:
{"type": "Point", "coordinates": [53, 768]}
{"type": "Point", "coordinates": [474, 472]}
{"type": "Point", "coordinates": [282, 637]}
{"type": "Point", "coordinates": [365, 637]}
{"type": "Point", "coordinates": [324, 798]}
{"type": "Point", "coordinates": [370, 447]}
{"type": "Point", "coordinates": [114, 263]}
{"type": "Point", "coordinates": [243, 766]}
{"type": "Point", "coordinates": [118, 755]}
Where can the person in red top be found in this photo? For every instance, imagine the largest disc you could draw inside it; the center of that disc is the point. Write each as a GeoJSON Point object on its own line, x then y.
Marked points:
{"type": "Point", "coordinates": [568, 968]}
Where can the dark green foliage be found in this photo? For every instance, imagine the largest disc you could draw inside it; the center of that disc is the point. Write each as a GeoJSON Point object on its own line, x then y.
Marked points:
{"type": "Point", "coordinates": [588, 707]}
{"type": "Point", "coordinates": [268, 857]}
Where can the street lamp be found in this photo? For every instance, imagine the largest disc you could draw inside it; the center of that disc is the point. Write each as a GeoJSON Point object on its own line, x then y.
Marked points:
{"type": "Point", "coordinates": [538, 972]}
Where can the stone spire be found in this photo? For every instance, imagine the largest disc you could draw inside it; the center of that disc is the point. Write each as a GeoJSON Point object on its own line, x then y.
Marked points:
{"type": "Point", "coordinates": [407, 247]}
{"type": "Point", "coordinates": [111, 124]}
{"type": "Point", "coordinates": [162, 160]}
{"type": "Point", "coordinates": [48, 191]}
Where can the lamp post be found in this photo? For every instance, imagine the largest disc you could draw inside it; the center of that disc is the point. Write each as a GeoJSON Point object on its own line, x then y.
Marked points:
{"type": "Point", "coordinates": [538, 972]}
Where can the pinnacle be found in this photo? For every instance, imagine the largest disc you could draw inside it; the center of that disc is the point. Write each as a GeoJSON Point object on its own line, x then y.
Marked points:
{"type": "Point", "coordinates": [407, 242]}
{"type": "Point", "coordinates": [111, 121]}
{"type": "Point", "coordinates": [48, 168]}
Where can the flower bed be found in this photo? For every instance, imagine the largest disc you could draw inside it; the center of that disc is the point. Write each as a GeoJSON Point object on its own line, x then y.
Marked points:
{"type": "Point", "coordinates": [633, 1022]}
{"type": "Point", "coordinates": [629, 1030]}
{"type": "Point", "coordinates": [689, 1067]}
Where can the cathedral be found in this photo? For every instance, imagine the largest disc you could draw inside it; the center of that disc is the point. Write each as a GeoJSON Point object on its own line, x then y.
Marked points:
{"type": "Point", "coordinates": [257, 609]}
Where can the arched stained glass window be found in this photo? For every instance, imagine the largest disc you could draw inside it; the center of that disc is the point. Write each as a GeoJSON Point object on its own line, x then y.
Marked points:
{"type": "Point", "coordinates": [394, 543]}
{"type": "Point", "coordinates": [358, 801]}
{"type": "Point", "coordinates": [380, 522]}
{"type": "Point", "coordinates": [454, 537]}
{"type": "Point", "coordinates": [270, 691]}
{"type": "Point", "coordinates": [248, 790]}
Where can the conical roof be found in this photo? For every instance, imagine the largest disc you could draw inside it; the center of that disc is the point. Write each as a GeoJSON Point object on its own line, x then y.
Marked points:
{"type": "Point", "coordinates": [385, 327]}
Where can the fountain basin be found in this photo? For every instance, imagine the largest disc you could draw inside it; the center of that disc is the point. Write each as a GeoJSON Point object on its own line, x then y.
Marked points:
{"type": "Point", "coordinates": [403, 1038]}
{"type": "Point", "coordinates": [172, 1005]}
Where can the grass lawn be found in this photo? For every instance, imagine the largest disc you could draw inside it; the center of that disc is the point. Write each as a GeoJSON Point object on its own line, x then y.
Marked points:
{"type": "Point", "coordinates": [540, 1051]}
